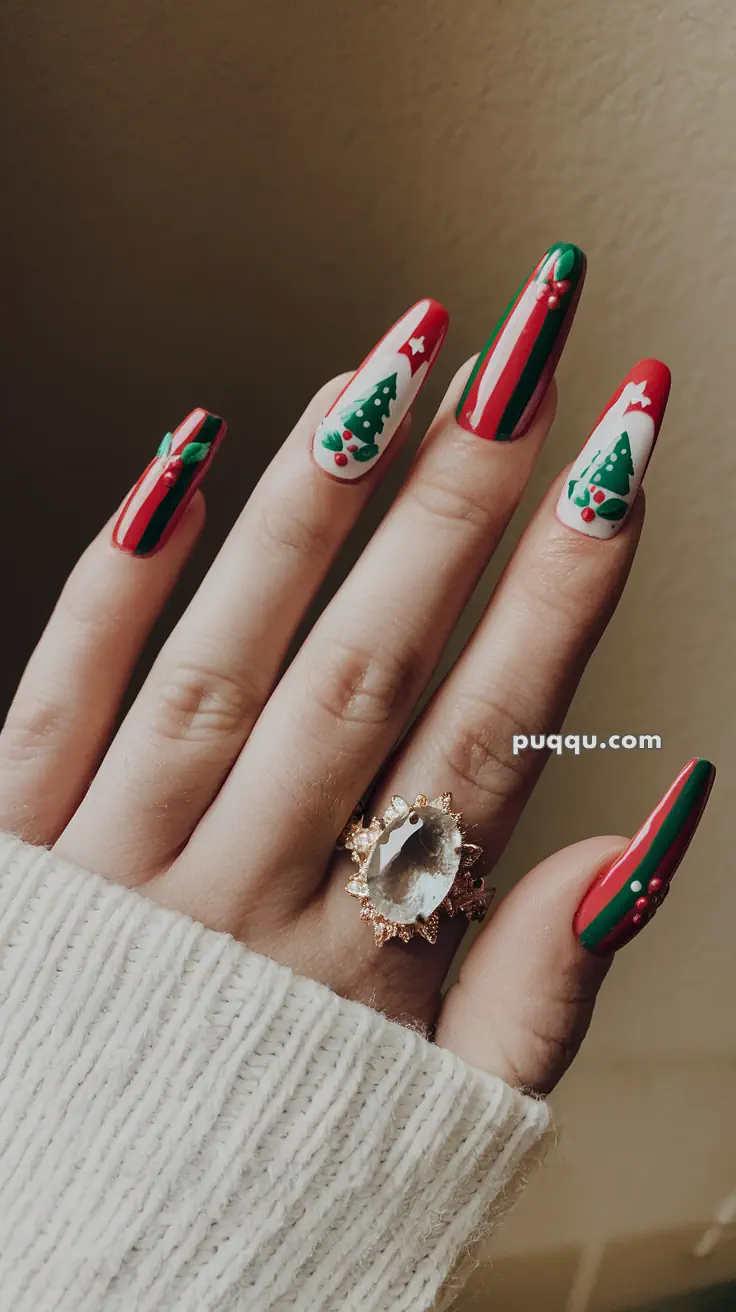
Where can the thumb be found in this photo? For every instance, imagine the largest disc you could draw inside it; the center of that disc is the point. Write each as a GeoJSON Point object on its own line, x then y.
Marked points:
{"type": "Point", "coordinates": [527, 988]}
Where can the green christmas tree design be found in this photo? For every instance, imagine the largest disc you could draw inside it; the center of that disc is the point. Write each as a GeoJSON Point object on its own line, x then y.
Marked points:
{"type": "Point", "coordinates": [616, 468]}
{"type": "Point", "coordinates": [613, 470]}
{"type": "Point", "coordinates": [363, 420]}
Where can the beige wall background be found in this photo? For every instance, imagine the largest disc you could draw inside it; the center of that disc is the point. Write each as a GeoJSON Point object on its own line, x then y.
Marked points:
{"type": "Point", "coordinates": [224, 202]}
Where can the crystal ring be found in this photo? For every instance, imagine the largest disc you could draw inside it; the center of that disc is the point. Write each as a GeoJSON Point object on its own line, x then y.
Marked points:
{"type": "Point", "coordinates": [413, 862]}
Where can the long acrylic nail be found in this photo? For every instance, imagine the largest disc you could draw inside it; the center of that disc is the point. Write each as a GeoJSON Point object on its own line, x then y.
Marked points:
{"type": "Point", "coordinates": [155, 505]}
{"type": "Point", "coordinates": [623, 899]}
{"type": "Point", "coordinates": [517, 362]}
{"type": "Point", "coordinates": [603, 482]}
{"type": "Point", "coordinates": [359, 426]}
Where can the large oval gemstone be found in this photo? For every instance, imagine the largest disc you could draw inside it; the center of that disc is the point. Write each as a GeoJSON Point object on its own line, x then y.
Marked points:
{"type": "Point", "coordinates": [414, 864]}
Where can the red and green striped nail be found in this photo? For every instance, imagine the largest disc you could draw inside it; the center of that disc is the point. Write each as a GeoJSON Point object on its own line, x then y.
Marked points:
{"type": "Point", "coordinates": [514, 368]}
{"type": "Point", "coordinates": [623, 899]}
{"type": "Point", "coordinates": [155, 505]}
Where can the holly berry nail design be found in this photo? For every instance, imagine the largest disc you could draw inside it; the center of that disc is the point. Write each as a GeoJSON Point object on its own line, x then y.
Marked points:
{"type": "Point", "coordinates": [155, 505]}
{"type": "Point", "coordinates": [361, 423]}
{"type": "Point", "coordinates": [517, 362]}
{"type": "Point", "coordinates": [623, 899]}
{"type": "Point", "coordinates": [608, 472]}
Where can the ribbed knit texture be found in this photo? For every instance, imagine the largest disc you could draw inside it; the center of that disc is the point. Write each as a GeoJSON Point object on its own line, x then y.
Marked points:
{"type": "Point", "coordinates": [187, 1125]}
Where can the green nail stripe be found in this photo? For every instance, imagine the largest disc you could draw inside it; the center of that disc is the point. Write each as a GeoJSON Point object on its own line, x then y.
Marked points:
{"type": "Point", "coordinates": [488, 345]}
{"type": "Point", "coordinates": [670, 830]}
{"type": "Point", "coordinates": [569, 266]}
{"type": "Point", "coordinates": [543, 347]}
{"type": "Point", "coordinates": [164, 512]}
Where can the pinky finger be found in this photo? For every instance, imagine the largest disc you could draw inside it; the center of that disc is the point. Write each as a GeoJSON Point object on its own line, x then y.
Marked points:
{"type": "Point", "coordinates": [65, 708]}
{"type": "Point", "coordinates": [527, 989]}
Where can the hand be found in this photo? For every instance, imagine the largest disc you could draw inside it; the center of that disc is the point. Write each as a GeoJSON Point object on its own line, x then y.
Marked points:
{"type": "Point", "coordinates": [228, 783]}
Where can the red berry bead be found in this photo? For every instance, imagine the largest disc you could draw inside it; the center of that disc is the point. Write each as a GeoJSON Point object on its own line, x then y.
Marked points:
{"type": "Point", "coordinates": [587, 514]}
{"type": "Point", "coordinates": [655, 884]}
{"type": "Point", "coordinates": [553, 302]}
{"type": "Point", "coordinates": [352, 448]}
{"type": "Point", "coordinates": [340, 458]}
{"type": "Point", "coordinates": [560, 286]}
{"type": "Point", "coordinates": [598, 496]}
{"type": "Point", "coordinates": [637, 920]}
{"type": "Point", "coordinates": [347, 436]}
{"type": "Point", "coordinates": [642, 903]}
{"type": "Point", "coordinates": [170, 478]}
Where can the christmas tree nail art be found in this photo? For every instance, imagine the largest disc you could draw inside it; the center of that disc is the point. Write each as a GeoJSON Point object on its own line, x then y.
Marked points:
{"type": "Point", "coordinates": [607, 474]}
{"type": "Point", "coordinates": [623, 899]}
{"type": "Point", "coordinates": [518, 360]}
{"type": "Point", "coordinates": [357, 429]}
{"type": "Point", "coordinates": [157, 502]}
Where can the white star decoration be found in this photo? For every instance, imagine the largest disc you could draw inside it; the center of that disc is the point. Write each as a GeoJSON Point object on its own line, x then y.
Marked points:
{"type": "Point", "coordinates": [416, 344]}
{"type": "Point", "coordinates": [636, 394]}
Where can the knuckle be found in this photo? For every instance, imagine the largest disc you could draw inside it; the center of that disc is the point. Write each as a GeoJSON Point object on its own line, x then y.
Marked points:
{"type": "Point", "coordinates": [296, 533]}
{"type": "Point", "coordinates": [479, 749]}
{"type": "Point", "coordinates": [447, 499]}
{"type": "Point", "coordinates": [197, 704]}
{"type": "Point", "coordinates": [559, 588]}
{"type": "Point", "coordinates": [33, 727]}
{"type": "Point", "coordinates": [365, 685]}
{"type": "Point", "coordinates": [549, 1051]}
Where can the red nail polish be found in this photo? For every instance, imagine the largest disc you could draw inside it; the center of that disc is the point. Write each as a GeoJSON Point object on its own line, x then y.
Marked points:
{"type": "Point", "coordinates": [623, 899]}
{"type": "Point", "coordinates": [356, 430]}
{"type": "Point", "coordinates": [155, 505]}
{"type": "Point", "coordinates": [517, 362]}
{"type": "Point", "coordinates": [602, 485]}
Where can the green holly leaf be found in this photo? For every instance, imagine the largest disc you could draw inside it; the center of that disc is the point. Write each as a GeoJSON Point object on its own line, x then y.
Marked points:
{"type": "Point", "coordinates": [332, 441]}
{"type": "Point", "coordinates": [366, 452]}
{"type": "Point", "coordinates": [612, 509]}
{"type": "Point", "coordinates": [570, 487]}
{"type": "Point", "coordinates": [565, 264]}
{"type": "Point", "coordinates": [582, 497]}
{"type": "Point", "coordinates": [165, 444]}
{"type": "Point", "coordinates": [194, 452]}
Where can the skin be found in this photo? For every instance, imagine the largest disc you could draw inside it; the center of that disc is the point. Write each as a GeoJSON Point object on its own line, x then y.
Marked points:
{"type": "Point", "coordinates": [225, 787]}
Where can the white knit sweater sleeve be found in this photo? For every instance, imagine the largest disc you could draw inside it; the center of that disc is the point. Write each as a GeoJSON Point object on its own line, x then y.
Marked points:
{"type": "Point", "coordinates": [187, 1125]}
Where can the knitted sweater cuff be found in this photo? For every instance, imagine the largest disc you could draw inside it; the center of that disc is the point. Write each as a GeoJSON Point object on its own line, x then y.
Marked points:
{"type": "Point", "coordinates": [187, 1125]}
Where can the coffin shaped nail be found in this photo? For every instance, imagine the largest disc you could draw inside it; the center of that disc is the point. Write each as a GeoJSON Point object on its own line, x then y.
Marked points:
{"type": "Point", "coordinates": [155, 505]}
{"type": "Point", "coordinates": [359, 426]}
{"type": "Point", "coordinates": [603, 482]}
{"type": "Point", "coordinates": [517, 362]}
{"type": "Point", "coordinates": [623, 899]}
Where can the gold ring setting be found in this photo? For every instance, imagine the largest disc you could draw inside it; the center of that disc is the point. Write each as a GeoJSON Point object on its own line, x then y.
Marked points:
{"type": "Point", "coordinates": [414, 862]}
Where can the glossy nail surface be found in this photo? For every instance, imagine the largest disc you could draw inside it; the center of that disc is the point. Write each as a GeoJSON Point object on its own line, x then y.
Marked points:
{"type": "Point", "coordinates": [517, 362]}
{"type": "Point", "coordinates": [357, 429]}
{"type": "Point", "coordinates": [603, 482]}
{"type": "Point", "coordinates": [155, 505]}
{"type": "Point", "coordinates": [623, 899]}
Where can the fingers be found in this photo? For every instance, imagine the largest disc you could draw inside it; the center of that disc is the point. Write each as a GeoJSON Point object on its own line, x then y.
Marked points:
{"type": "Point", "coordinates": [520, 670]}
{"type": "Point", "coordinates": [346, 697]}
{"type": "Point", "coordinates": [214, 675]}
{"type": "Point", "coordinates": [516, 676]}
{"type": "Point", "coordinates": [527, 988]}
{"type": "Point", "coordinates": [66, 704]}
